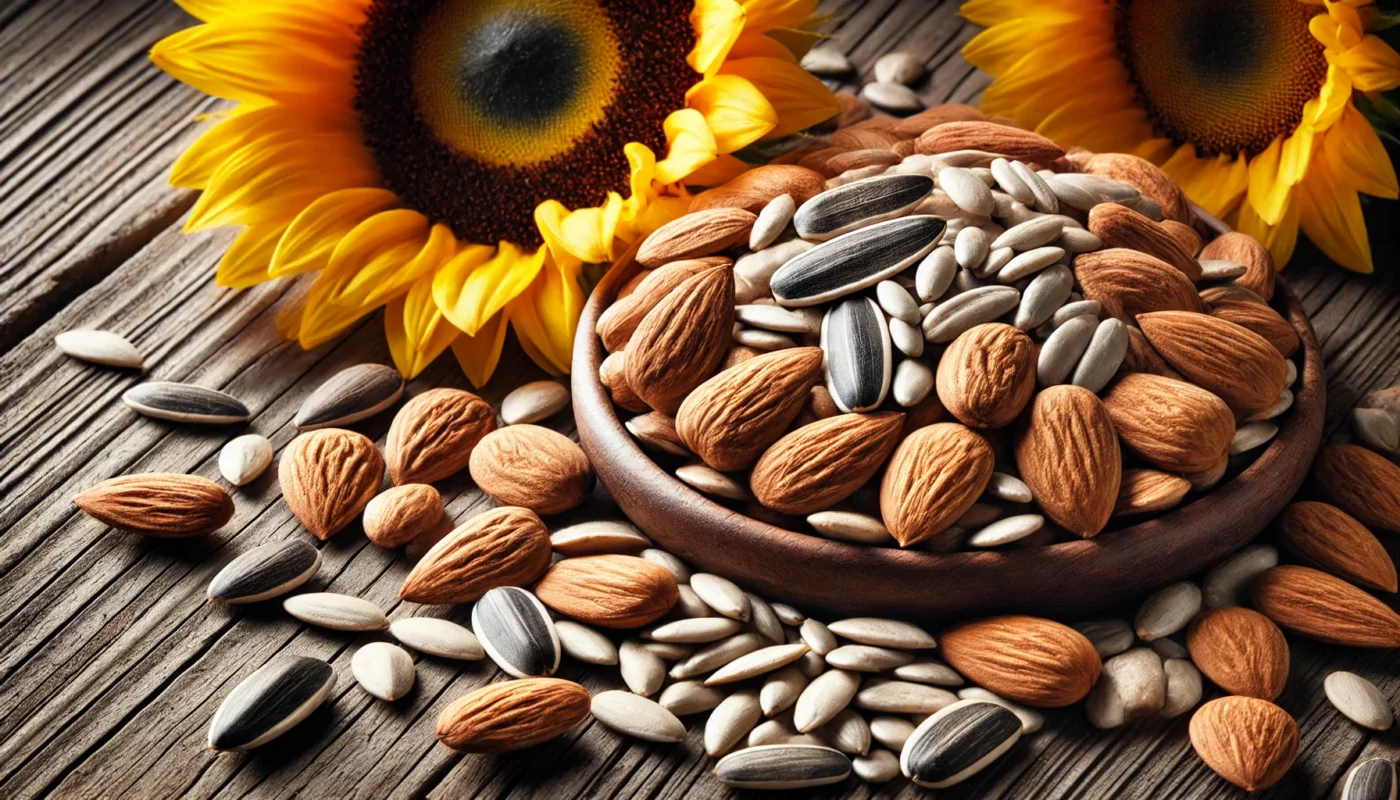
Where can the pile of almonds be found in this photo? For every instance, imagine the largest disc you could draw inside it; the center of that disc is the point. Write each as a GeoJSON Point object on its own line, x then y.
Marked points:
{"type": "Point", "coordinates": [945, 332]}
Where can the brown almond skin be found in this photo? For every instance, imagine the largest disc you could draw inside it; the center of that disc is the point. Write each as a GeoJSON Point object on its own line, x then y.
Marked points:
{"type": "Point", "coordinates": [1026, 659]}
{"type": "Point", "coordinates": [1184, 235]}
{"type": "Point", "coordinates": [532, 467]}
{"type": "Point", "coordinates": [1120, 226]}
{"type": "Point", "coordinates": [613, 375]}
{"type": "Point", "coordinates": [432, 436]}
{"type": "Point", "coordinates": [682, 340]}
{"type": "Point", "coordinates": [1361, 482]}
{"type": "Point", "coordinates": [1013, 143]}
{"type": "Point", "coordinates": [1129, 283]}
{"type": "Point", "coordinates": [1170, 424]}
{"type": "Point", "coordinates": [1324, 607]}
{"type": "Point", "coordinates": [160, 504]}
{"type": "Point", "coordinates": [1264, 321]}
{"type": "Point", "coordinates": [1144, 176]}
{"type": "Point", "coordinates": [699, 233]}
{"type": "Point", "coordinates": [617, 324]}
{"type": "Point", "coordinates": [752, 190]}
{"type": "Point", "coordinates": [1242, 248]}
{"type": "Point", "coordinates": [609, 591]}
{"type": "Point", "coordinates": [1142, 358]}
{"type": "Point", "coordinates": [730, 419]}
{"type": "Point", "coordinates": [1234, 363]}
{"type": "Point", "coordinates": [400, 514]}
{"type": "Point", "coordinates": [987, 375]}
{"type": "Point", "coordinates": [821, 464]}
{"type": "Point", "coordinates": [1327, 538]}
{"type": "Point", "coordinates": [911, 126]}
{"type": "Point", "coordinates": [934, 476]}
{"type": "Point", "coordinates": [328, 476]}
{"type": "Point", "coordinates": [512, 715]}
{"type": "Point", "coordinates": [1240, 650]}
{"type": "Point", "coordinates": [503, 547]}
{"type": "Point", "coordinates": [1247, 741]}
{"type": "Point", "coordinates": [1147, 491]}
{"type": "Point", "coordinates": [1067, 452]}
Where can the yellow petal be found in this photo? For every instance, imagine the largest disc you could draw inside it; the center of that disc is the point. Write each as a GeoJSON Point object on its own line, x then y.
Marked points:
{"type": "Point", "coordinates": [246, 126]}
{"type": "Point", "coordinates": [691, 146]}
{"type": "Point", "coordinates": [1372, 65]}
{"type": "Point", "coordinates": [471, 290]}
{"type": "Point", "coordinates": [1217, 184]}
{"type": "Point", "coordinates": [794, 40]}
{"type": "Point", "coordinates": [1280, 238]}
{"type": "Point", "coordinates": [1359, 157]}
{"type": "Point", "coordinates": [717, 25]}
{"type": "Point", "coordinates": [313, 235]}
{"type": "Point", "coordinates": [760, 45]}
{"type": "Point", "coordinates": [546, 315]}
{"type": "Point", "coordinates": [1330, 212]}
{"type": "Point", "coordinates": [762, 15]}
{"type": "Point", "coordinates": [1268, 193]}
{"type": "Point", "coordinates": [211, 10]}
{"type": "Point", "coordinates": [478, 355]}
{"type": "Point", "coordinates": [736, 111]}
{"type": "Point", "coordinates": [722, 169]}
{"type": "Point", "coordinates": [245, 263]}
{"type": "Point", "coordinates": [800, 99]}
{"type": "Point", "coordinates": [998, 47]}
{"type": "Point", "coordinates": [582, 235]}
{"type": "Point", "coordinates": [416, 330]}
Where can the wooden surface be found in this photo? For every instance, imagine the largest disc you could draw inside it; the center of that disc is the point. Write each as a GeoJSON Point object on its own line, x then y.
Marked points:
{"type": "Point", "coordinates": [111, 661]}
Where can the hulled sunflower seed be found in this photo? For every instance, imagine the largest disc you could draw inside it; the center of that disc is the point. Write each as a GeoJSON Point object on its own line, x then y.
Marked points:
{"type": "Point", "coordinates": [775, 318]}
{"type": "Point", "coordinates": [1291, 372]}
{"type": "Point", "coordinates": [787, 614]}
{"type": "Point", "coordinates": [760, 661]}
{"type": "Point", "coordinates": [783, 766]}
{"type": "Point", "coordinates": [763, 619]}
{"type": "Point", "coordinates": [812, 665]}
{"type": "Point", "coordinates": [657, 432]}
{"type": "Point", "coordinates": [642, 670]}
{"type": "Point", "coordinates": [598, 536]}
{"type": "Point", "coordinates": [102, 347]}
{"type": "Point", "coordinates": [867, 658]}
{"type": "Point", "coordinates": [929, 671]}
{"type": "Point", "coordinates": [935, 273]}
{"type": "Point", "coordinates": [1373, 779]}
{"type": "Point", "coordinates": [712, 482]}
{"type": "Point", "coordinates": [877, 766]}
{"type": "Point", "coordinates": [1010, 182]}
{"type": "Point", "coordinates": [533, 402]}
{"type": "Point", "coordinates": [858, 204]}
{"type": "Point", "coordinates": [1028, 263]}
{"type": "Point", "coordinates": [1006, 530]}
{"type": "Point", "coordinates": [847, 732]}
{"type": "Point", "coordinates": [781, 690]}
{"type": "Point", "coordinates": [183, 402]}
{"type": "Point", "coordinates": [1045, 199]}
{"type": "Point", "coordinates": [1102, 357]}
{"type": "Point", "coordinates": [970, 247]}
{"type": "Point", "coordinates": [967, 190]}
{"type": "Point", "coordinates": [902, 697]}
{"type": "Point", "coordinates": [384, 670]}
{"type": "Point", "coordinates": [854, 261]}
{"type": "Point", "coordinates": [894, 97]}
{"type": "Point", "coordinates": [1045, 294]}
{"type": "Point", "coordinates": [339, 612]}
{"type": "Point", "coordinates": [824, 698]}
{"type": "Point", "coordinates": [1031, 720]}
{"type": "Point", "coordinates": [1184, 687]}
{"type": "Point", "coordinates": [267, 571]}
{"type": "Point", "coordinates": [957, 742]}
{"type": "Point", "coordinates": [1280, 405]}
{"type": "Point", "coordinates": [438, 637]}
{"type": "Point", "coordinates": [582, 643]}
{"type": "Point", "coordinates": [898, 68]}
{"type": "Point", "coordinates": [777, 731]}
{"type": "Point", "coordinates": [1133, 685]}
{"type": "Point", "coordinates": [1009, 488]}
{"type": "Point", "coordinates": [270, 701]}
{"type": "Point", "coordinates": [1227, 583]}
{"type": "Point", "coordinates": [758, 268]}
{"type": "Point", "coordinates": [696, 631]}
{"type": "Point", "coordinates": [1168, 610]}
{"type": "Point", "coordinates": [673, 565]}
{"type": "Point", "coordinates": [1252, 436]}
{"type": "Point", "coordinates": [883, 633]}
{"type": "Point", "coordinates": [689, 603]}
{"type": "Point", "coordinates": [818, 637]}
{"type": "Point", "coordinates": [1108, 636]}
{"type": "Point", "coordinates": [353, 394]}
{"type": "Point", "coordinates": [1078, 240]}
{"type": "Point", "coordinates": [850, 526]}
{"type": "Point", "coordinates": [1031, 234]}
{"type": "Point", "coordinates": [858, 358]}
{"type": "Point", "coordinates": [1376, 428]}
{"type": "Point", "coordinates": [913, 380]}
{"type": "Point", "coordinates": [636, 716]}
{"type": "Point", "coordinates": [717, 655]}
{"type": "Point", "coordinates": [907, 339]}
{"type": "Point", "coordinates": [721, 594]}
{"type": "Point", "coordinates": [667, 651]}
{"type": "Point", "coordinates": [515, 629]}
{"type": "Point", "coordinates": [1170, 648]}
{"type": "Point", "coordinates": [1063, 350]}
{"type": "Point", "coordinates": [683, 698]}
{"type": "Point", "coordinates": [244, 458]}
{"type": "Point", "coordinates": [731, 722]}
{"type": "Point", "coordinates": [826, 61]}
{"type": "Point", "coordinates": [1359, 700]}
{"type": "Point", "coordinates": [973, 307]}
{"type": "Point", "coordinates": [767, 341]}
{"type": "Point", "coordinates": [1077, 308]}
{"type": "Point", "coordinates": [892, 732]}
{"type": "Point", "coordinates": [1215, 270]}
{"type": "Point", "coordinates": [771, 222]}
{"type": "Point", "coordinates": [896, 302]}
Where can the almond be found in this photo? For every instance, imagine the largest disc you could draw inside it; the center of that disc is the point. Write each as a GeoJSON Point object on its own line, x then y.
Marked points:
{"type": "Point", "coordinates": [1236, 364]}
{"type": "Point", "coordinates": [987, 375]}
{"type": "Point", "coordinates": [911, 126]}
{"type": "Point", "coordinates": [433, 435]}
{"type": "Point", "coordinates": [752, 190]}
{"type": "Point", "coordinates": [935, 475]}
{"type": "Point", "coordinates": [1184, 234]}
{"type": "Point", "coordinates": [1129, 283]}
{"type": "Point", "coordinates": [1024, 659]}
{"type": "Point", "coordinates": [1325, 607]}
{"type": "Point", "coordinates": [1327, 538]}
{"type": "Point", "coordinates": [610, 591]}
{"type": "Point", "coordinates": [700, 233]}
{"type": "Point", "coordinates": [1144, 176]}
{"type": "Point", "coordinates": [512, 715]}
{"type": "Point", "coordinates": [1247, 741]}
{"type": "Point", "coordinates": [682, 340]}
{"type": "Point", "coordinates": [613, 375]}
{"type": "Point", "coordinates": [1170, 424]}
{"type": "Point", "coordinates": [1146, 491]}
{"type": "Point", "coordinates": [733, 417]}
{"type": "Point", "coordinates": [328, 476]}
{"type": "Point", "coordinates": [532, 467]}
{"type": "Point", "coordinates": [864, 137]}
{"type": "Point", "coordinates": [1229, 294]}
{"type": "Point", "coordinates": [627, 288]}
{"type": "Point", "coordinates": [399, 515]}
{"type": "Point", "coordinates": [1067, 452]}
{"type": "Point", "coordinates": [617, 324]}
{"type": "Point", "coordinates": [1120, 226]}
{"type": "Point", "coordinates": [159, 504]}
{"type": "Point", "coordinates": [1264, 321]}
{"type": "Point", "coordinates": [1241, 650]}
{"type": "Point", "coordinates": [1242, 248]}
{"type": "Point", "coordinates": [1361, 482]}
{"type": "Point", "coordinates": [821, 464]}
{"type": "Point", "coordinates": [1142, 358]}
{"type": "Point", "coordinates": [502, 547]}
{"type": "Point", "coordinates": [1013, 143]}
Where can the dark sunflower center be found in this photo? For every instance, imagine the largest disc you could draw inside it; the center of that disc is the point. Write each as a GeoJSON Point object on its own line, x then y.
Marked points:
{"type": "Point", "coordinates": [1227, 77]}
{"type": "Point", "coordinates": [476, 111]}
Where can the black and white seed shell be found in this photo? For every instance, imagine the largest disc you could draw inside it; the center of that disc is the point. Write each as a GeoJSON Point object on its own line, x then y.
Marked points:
{"type": "Point", "coordinates": [267, 571]}
{"type": "Point", "coordinates": [783, 766]}
{"type": "Point", "coordinates": [182, 402]}
{"type": "Point", "coordinates": [859, 203]}
{"type": "Point", "coordinates": [350, 395]}
{"type": "Point", "coordinates": [1371, 780]}
{"type": "Point", "coordinates": [269, 702]}
{"type": "Point", "coordinates": [515, 629]}
{"type": "Point", "coordinates": [957, 742]}
{"type": "Point", "coordinates": [855, 260]}
{"type": "Point", "coordinates": [858, 356]}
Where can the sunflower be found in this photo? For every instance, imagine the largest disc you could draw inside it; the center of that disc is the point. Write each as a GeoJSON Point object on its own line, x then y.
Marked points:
{"type": "Point", "coordinates": [460, 162]}
{"type": "Point", "coordinates": [1249, 104]}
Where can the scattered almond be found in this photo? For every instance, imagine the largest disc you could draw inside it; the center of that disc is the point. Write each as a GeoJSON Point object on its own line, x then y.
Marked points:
{"type": "Point", "coordinates": [502, 547]}
{"type": "Point", "coordinates": [610, 591]}
{"type": "Point", "coordinates": [512, 715]}
{"type": "Point", "coordinates": [1240, 650]}
{"type": "Point", "coordinates": [328, 476]}
{"type": "Point", "coordinates": [1025, 659]}
{"type": "Point", "coordinates": [1327, 538]}
{"type": "Point", "coordinates": [402, 513]}
{"type": "Point", "coordinates": [1325, 607]}
{"type": "Point", "coordinates": [433, 435]}
{"type": "Point", "coordinates": [1248, 742]}
{"type": "Point", "coordinates": [533, 467]}
{"type": "Point", "coordinates": [158, 504]}
{"type": "Point", "coordinates": [1360, 482]}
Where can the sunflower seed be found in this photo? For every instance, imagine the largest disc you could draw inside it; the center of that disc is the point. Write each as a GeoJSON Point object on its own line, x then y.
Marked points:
{"type": "Point", "coordinates": [696, 631]}
{"type": "Point", "coordinates": [1075, 309]}
{"type": "Point", "coordinates": [995, 263]}
{"type": "Point", "coordinates": [1045, 199]}
{"type": "Point", "coordinates": [101, 347]}
{"type": "Point", "coordinates": [722, 595]}
{"type": "Point", "coordinates": [771, 222]}
{"type": "Point", "coordinates": [767, 341]}
{"type": "Point", "coordinates": [657, 432]}
{"type": "Point", "coordinates": [824, 698]}
{"type": "Point", "coordinates": [929, 671]}
{"type": "Point", "coordinates": [636, 716]}
{"type": "Point", "coordinates": [731, 722]}
{"type": "Point", "coordinates": [883, 633]}
{"type": "Point", "coordinates": [854, 261]}
{"type": "Point", "coordinates": [1006, 530]}
{"type": "Point", "coordinates": [759, 267]}
{"type": "Point", "coordinates": [858, 358]}
{"type": "Point", "coordinates": [973, 307]}
{"type": "Point", "coordinates": [957, 742]}
{"type": "Point", "coordinates": [818, 637]}
{"type": "Point", "coordinates": [787, 614]}
{"type": "Point", "coordinates": [339, 612]}
{"type": "Point", "coordinates": [598, 536]}
{"type": "Point", "coordinates": [1183, 687]}
{"type": "Point", "coordinates": [812, 665]}
{"type": "Point", "coordinates": [384, 670]}
{"type": "Point", "coordinates": [775, 318]}
{"type": "Point", "coordinates": [1009, 488]}
{"type": "Point", "coordinates": [1046, 293]}
{"type": "Point", "coordinates": [781, 690]}
{"type": "Point", "coordinates": [1282, 404]}
{"type": "Point", "coordinates": [892, 732]}
{"type": "Point", "coordinates": [1291, 373]}
{"type": "Point", "coordinates": [896, 302]}
{"type": "Point", "coordinates": [902, 697]}
{"type": "Point", "coordinates": [683, 698]}
{"type": "Point", "coordinates": [266, 571]}
{"type": "Point", "coordinates": [270, 701]}
{"type": "Point", "coordinates": [826, 61]}
{"type": "Point", "coordinates": [1080, 194]}
{"type": "Point", "coordinates": [850, 526]}
{"type": "Point", "coordinates": [642, 670]}
{"type": "Point", "coordinates": [967, 190]}
{"type": "Point", "coordinates": [1169, 648]}
{"type": "Point", "coordinates": [847, 732]}
{"type": "Point", "coordinates": [1373, 779]}
{"type": "Point", "coordinates": [1227, 583]}
{"type": "Point", "coordinates": [859, 204]}
{"type": "Point", "coordinates": [763, 619]}
{"type": "Point", "coordinates": [908, 339]}
{"type": "Point", "coordinates": [1359, 700]}
{"type": "Point", "coordinates": [935, 273]}
{"type": "Point", "coordinates": [1216, 270]}
{"type": "Point", "coordinates": [877, 766]}
{"type": "Point", "coordinates": [350, 395]}
{"type": "Point", "coordinates": [866, 658]}
{"type": "Point", "coordinates": [970, 247]}
{"type": "Point", "coordinates": [1031, 720]}
{"type": "Point", "coordinates": [712, 482]}
{"type": "Point", "coordinates": [582, 643]}
{"type": "Point", "coordinates": [667, 651]}
{"type": "Point", "coordinates": [1063, 350]}
{"type": "Point", "coordinates": [672, 564]}
{"type": "Point", "coordinates": [1028, 263]}
{"type": "Point", "coordinates": [1108, 636]}
{"type": "Point", "coordinates": [1376, 428]}
{"type": "Point", "coordinates": [775, 731]}
{"type": "Point", "coordinates": [1078, 240]}
{"type": "Point", "coordinates": [898, 68]}
{"type": "Point", "coordinates": [1252, 436]}
{"type": "Point", "coordinates": [760, 661]}
{"type": "Point", "coordinates": [183, 402]}
{"type": "Point", "coordinates": [1010, 182]}
{"type": "Point", "coordinates": [1103, 356]}
{"type": "Point", "coordinates": [438, 637]}
{"type": "Point", "coordinates": [1168, 610]}
{"type": "Point", "coordinates": [894, 97]}
{"type": "Point", "coordinates": [913, 380]}
{"type": "Point", "coordinates": [535, 401]}
{"type": "Point", "coordinates": [244, 458]}
{"type": "Point", "coordinates": [717, 655]}
{"type": "Point", "coordinates": [689, 603]}
{"type": "Point", "coordinates": [515, 629]}
{"type": "Point", "coordinates": [1133, 685]}
{"type": "Point", "coordinates": [783, 766]}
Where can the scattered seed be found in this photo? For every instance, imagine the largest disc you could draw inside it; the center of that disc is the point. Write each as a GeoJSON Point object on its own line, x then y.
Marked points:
{"type": "Point", "coordinates": [824, 698]}
{"type": "Point", "coordinates": [783, 766]}
{"type": "Point", "coordinates": [339, 612]}
{"type": "Point", "coordinates": [929, 671]}
{"type": "Point", "coordinates": [1184, 687]}
{"type": "Point", "coordinates": [763, 619]}
{"type": "Point", "coordinates": [683, 698]}
{"type": "Point", "coordinates": [1007, 530]}
{"type": "Point", "coordinates": [709, 481]}
{"type": "Point", "coordinates": [270, 702]}
{"type": "Point", "coordinates": [913, 380]}
{"type": "Point", "coordinates": [533, 402]}
{"type": "Point", "coordinates": [384, 670]}
{"type": "Point", "coordinates": [1216, 270]}
{"type": "Point", "coordinates": [867, 658]}
{"type": "Point", "coordinates": [689, 604]}
{"type": "Point", "coordinates": [892, 732]}
{"type": "Point", "coordinates": [894, 97]}
{"type": "Point", "coordinates": [1251, 436]}
{"type": "Point", "coordinates": [973, 307]}
{"type": "Point", "coordinates": [1227, 583]}
{"type": "Point", "coordinates": [771, 222]}
{"type": "Point", "coordinates": [731, 722]}
{"type": "Point", "coordinates": [858, 358]}
{"type": "Point", "coordinates": [1373, 779]}
{"type": "Point", "coordinates": [826, 61]}
{"type": "Point", "coordinates": [781, 689]}
{"type": "Point", "coordinates": [883, 633]}
{"type": "Point", "coordinates": [696, 631]}
{"type": "Point", "coordinates": [642, 670]}
{"type": "Point", "coordinates": [183, 402]}
{"type": "Point", "coordinates": [721, 594]}
{"type": "Point", "coordinates": [244, 458]}
{"type": "Point", "coordinates": [897, 302]}
{"type": "Point", "coordinates": [267, 571]}
{"type": "Point", "coordinates": [775, 318]}
{"type": "Point", "coordinates": [898, 67]}
{"type": "Point", "coordinates": [1168, 610]}
{"type": "Point", "coordinates": [1109, 636]}
{"type": "Point", "coordinates": [1359, 700]}
{"type": "Point", "coordinates": [970, 248]}
{"type": "Point", "coordinates": [515, 629]}
{"type": "Point", "coordinates": [760, 661]}
{"type": "Point", "coordinates": [1046, 293]}
{"type": "Point", "coordinates": [967, 190]}
{"type": "Point", "coordinates": [935, 273]}
{"type": "Point", "coordinates": [854, 261]}
{"type": "Point", "coordinates": [717, 655]}
{"type": "Point", "coordinates": [438, 637]}
{"type": "Point", "coordinates": [1063, 350]}
{"type": "Point", "coordinates": [1170, 648]}
{"type": "Point", "coordinates": [818, 637]}
{"type": "Point", "coordinates": [1377, 428]}
{"type": "Point", "coordinates": [907, 339]}
{"type": "Point", "coordinates": [353, 394]}
{"type": "Point", "coordinates": [1282, 404]}
{"type": "Point", "coordinates": [957, 742]}
{"type": "Point", "coordinates": [1103, 356]}
{"type": "Point", "coordinates": [787, 614]}
{"type": "Point", "coordinates": [636, 716]}
{"type": "Point", "coordinates": [902, 697]}
{"type": "Point", "coordinates": [584, 644]}
{"type": "Point", "coordinates": [850, 526]}
{"type": "Point", "coordinates": [598, 536]}
{"type": "Point", "coordinates": [859, 204]}
{"type": "Point", "coordinates": [100, 347]}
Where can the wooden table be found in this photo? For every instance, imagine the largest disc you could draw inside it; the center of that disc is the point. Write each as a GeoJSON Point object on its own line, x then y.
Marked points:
{"type": "Point", "coordinates": [111, 661]}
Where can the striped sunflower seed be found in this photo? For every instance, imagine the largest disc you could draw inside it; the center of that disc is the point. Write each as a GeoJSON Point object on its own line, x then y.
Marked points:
{"type": "Point", "coordinates": [858, 204]}
{"type": "Point", "coordinates": [958, 742]}
{"type": "Point", "coordinates": [973, 307]}
{"type": "Point", "coordinates": [642, 670]}
{"type": "Point", "coordinates": [883, 633]}
{"type": "Point", "coordinates": [731, 722]}
{"type": "Point", "coordinates": [244, 458]}
{"type": "Point", "coordinates": [1359, 700]}
{"type": "Point", "coordinates": [598, 537]}
{"type": "Point", "coordinates": [102, 347]}
{"type": "Point", "coordinates": [1031, 720]}
{"type": "Point", "coordinates": [438, 637]}
{"type": "Point", "coordinates": [384, 670]}
{"type": "Point", "coordinates": [533, 402]}
{"type": "Point", "coordinates": [515, 629]}
{"type": "Point", "coordinates": [636, 716]}
{"type": "Point", "coordinates": [267, 571]}
{"type": "Point", "coordinates": [783, 766]}
{"type": "Point", "coordinates": [721, 594]}
{"type": "Point", "coordinates": [339, 612]}
{"type": "Point", "coordinates": [183, 402]}
{"type": "Point", "coordinates": [854, 261]}
{"type": "Point", "coordinates": [1373, 779]}
{"type": "Point", "coordinates": [353, 394]}
{"type": "Point", "coordinates": [858, 357]}
{"type": "Point", "coordinates": [582, 643]}
{"type": "Point", "coordinates": [270, 701]}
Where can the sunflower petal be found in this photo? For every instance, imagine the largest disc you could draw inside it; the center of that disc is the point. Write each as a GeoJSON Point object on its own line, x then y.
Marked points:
{"type": "Point", "coordinates": [1217, 184]}
{"type": "Point", "coordinates": [545, 317]}
{"type": "Point", "coordinates": [722, 170]}
{"type": "Point", "coordinates": [314, 233]}
{"type": "Point", "coordinates": [691, 146]}
{"type": "Point", "coordinates": [1372, 65]}
{"type": "Point", "coordinates": [717, 25]}
{"type": "Point", "coordinates": [478, 355]}
{"type": "Point", "coordinates": [760, 45]}
{"type": "Point", "coordinates": [1268, 192]}
{"type": "Point", "coordinates": [1280, 239]}
{"type": "Point", "coordinates": [1330, 212]}
{"type": "Point", "coordinates": [245, 263]}
{"type": "Point", "coordinates": [736, 111]}
{"type": "Point", "coordinates": [800, 99]}
{"type": "Point", "coordinates": [1356, 152]}
{"type": "Point", "coordinates": [416, 330]}
{"type": "Point", "coordinates": [762, 15]}
{"type": "Point", "coordinates": [471, 289]}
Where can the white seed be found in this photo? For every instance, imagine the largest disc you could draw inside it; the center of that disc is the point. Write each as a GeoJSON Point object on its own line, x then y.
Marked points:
{"type": "Point", "coordinates": [866, 658]}
{"type": "Point", "coordinates": [339, 612]}
{"type": "Point", "coordinates": [1377, 428]}
{"type": "Point", "coordinates": [929, 671]}
{"type": "Point", "coordinates": [896, 301]}
{"type": "Point", "coordinates": [812, 664]}
{"type": "Point", "coordinates": [759, 267]}
{"type": "Point", "coordinates": [598, 536]}
{"type": "Point", "coordinates": [1031, 720]}
{"type": "Point", "coordinates": [908, 339]}
{"type": "Point", "coordinates": [696, 631]}
{"type": "Point", "coordinates": [731, 722]}
{"type": "Point", "coordinates": [826, 61]}
{"type": "Point", "coordinates": [1184, 687]}
{"type": "Point", "coordinates": [781, 690]}
{"type": "Point", "coordinates": [668, 651]}
{"type": "Point", "coordinates": [1280, 405]}
{"type": "Point", "coordinates": [1359, 700]}
{"type": "Point", "coordinates": [825, 697]}
{"type": "Point", "coordinates": [818, 637]}
{"type": "Point", "coordinates": [717, 655]}
{"type": "Point", "coordinates": [1138, 684]}
{"type": "Point", "coordinates": [672, 564]}
{"type": "Point", "coordinates": [1168, 610]}
{"type": "Point", "coordinates": [957, 314]}
{"type": "Point", "coordinates": [1170, 648]}
{"type": "Point", "coordinates": [438, 637]}
{"type": "Point", "coordinates": [1227, 583]}
{"type": "Point", "coordinates": [1063, 350]}
{"type": "Point", "coordinates": [1206, 479]}
{"type": "Point", "coordinates": [850, 526]}
{"type": "Point", "coordinates": [788, 614]}
{"type": "Point", "coordinates": [771, 221]}
{"type": "Point", "coordinates": [898, 67]}
{"type": "Point", "coordinates": [760, 661]}
{"type": "Point", "coordinates": [1010, 182]}
{"type": "Point", "coordinates": [913, 380]}
{"type": "Point", "coordinates": [894, 97]}
{"type": "Point", "coordinates": [902, 697]}
{"type": "Point", "coordinates": [1032, 234]}
{"type": "Point", "coordinates": [709, 481]}
{"type": "Point", "coordinates": [877, 766]}
{"type": "Point", "coordinates": [1291, 373]}
{"type": "Point", "coordinates": [1076, 308]}
{"type": "Point", "coordinates": [847, 732]}
{"type": "Point", "coordinates": [967, 190]}
{"type": "Point", "coordinates": [100, 347]}
{"type": "Point", "coordinates": [721, 594]}
{"type": "Point", "coordinates": [384, 670]}
{"type": "Point", "coordinates": [1251, 436]}
{"type": "Point", "coordinates": [533, 402]}
{"type": "Point", "coordinates": [775, 318]}
{"type": "Point", "coordinates": [970, 248]}
{"type": "Point", "coordinates": [892, 732]}
{"type": "Point", "coordinates": [642, 670]}
{"type": "Point", "coordinates": [1045, 199]}
{"type": "Point", "coordinates": [763, 619]}
{"type": "Point", "coordinates": [1045, 294]}
{"type": "Point", "coordinates": [1028, 263]}
{"type": "Point", "coordinates": [636, 716]}
{"type": "Point", "coordinates": [773, 731]}
{"type": "Point", "coordinates": [1108, 636]}
{"type": "Point", "coordinates": [1009, 488]}
{"type": "Point", "coordinates": [1102, 357]}
{"type": "Point", "coordinates": [1214, 270]}
{"type": "Point", "coordinates": [935, 273]}
{"type": "Point", "coordinates": [244, 458]}
{"type": "Point", "coordinates": [883, 633]}
{"type": "Point", "coordinates": [767, 341]}
{"type": "Point", "coordinates": [1007, 530]}
{"type": "Point", "coordinates": [585, 644]}
{"type": "Point", "coordinates": [683, 698]}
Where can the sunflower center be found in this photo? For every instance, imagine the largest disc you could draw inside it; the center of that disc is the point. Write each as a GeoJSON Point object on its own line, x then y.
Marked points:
{"type": "Point", "coordinates": [1226, 77]}
{"type": "Point", "coordinates": [476, 111]}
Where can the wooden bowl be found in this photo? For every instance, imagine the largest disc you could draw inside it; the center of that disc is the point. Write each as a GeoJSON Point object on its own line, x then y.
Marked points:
{"type": "Point", "coordinates": [843, 579]}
